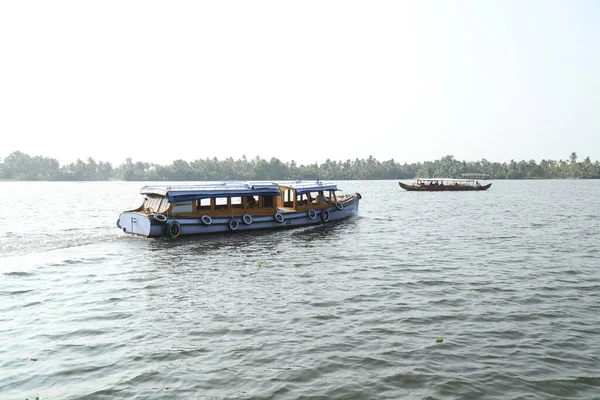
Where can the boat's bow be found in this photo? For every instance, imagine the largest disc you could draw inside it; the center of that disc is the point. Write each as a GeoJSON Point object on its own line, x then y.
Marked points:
{"type": "Point", "coordinates": [407, 187]}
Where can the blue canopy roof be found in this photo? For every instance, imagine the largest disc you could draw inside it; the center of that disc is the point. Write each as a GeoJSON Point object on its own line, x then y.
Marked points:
{"type": "Point", "coordinates": [309, 186]}
{"type": "Point", "coordinates": [205, 190]}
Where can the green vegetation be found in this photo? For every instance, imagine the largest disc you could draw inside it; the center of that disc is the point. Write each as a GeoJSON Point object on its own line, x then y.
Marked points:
{"type": "Point", "coordinates": [20, 166]}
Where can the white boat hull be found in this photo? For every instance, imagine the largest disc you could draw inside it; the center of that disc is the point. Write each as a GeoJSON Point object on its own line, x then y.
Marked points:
{"type": "Point", "coordinates": [142, 225]}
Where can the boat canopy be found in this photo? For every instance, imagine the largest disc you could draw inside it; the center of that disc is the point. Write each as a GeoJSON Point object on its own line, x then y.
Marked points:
{"type": "Point", "coordinates": [302, 187]}
{"type": "Point", "coordinates": [474, 175]}
{"type": "Point", "coordinates": [175, 193]}
{"type": "Point", "coordinates": [444, 179]}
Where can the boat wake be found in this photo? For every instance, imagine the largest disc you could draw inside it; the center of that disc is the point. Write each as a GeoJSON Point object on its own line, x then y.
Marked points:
{"type": "Point", "coordinates": [15, 243]}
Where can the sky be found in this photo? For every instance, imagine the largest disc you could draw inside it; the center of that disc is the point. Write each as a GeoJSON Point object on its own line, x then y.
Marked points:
{"type": "Point", "coordinates": [304, 81]}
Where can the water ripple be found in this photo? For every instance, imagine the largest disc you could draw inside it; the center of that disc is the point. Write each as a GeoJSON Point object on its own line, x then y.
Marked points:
{"type": "Point", "coordinates": [507, 278]}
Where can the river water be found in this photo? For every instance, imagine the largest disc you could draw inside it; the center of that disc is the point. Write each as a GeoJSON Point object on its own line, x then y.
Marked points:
{"type": "Point", "coordinates": [507, 278]}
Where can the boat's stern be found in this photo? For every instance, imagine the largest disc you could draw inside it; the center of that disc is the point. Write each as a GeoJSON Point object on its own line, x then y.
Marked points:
{"type": "Point", "coordinates": [138, 224]}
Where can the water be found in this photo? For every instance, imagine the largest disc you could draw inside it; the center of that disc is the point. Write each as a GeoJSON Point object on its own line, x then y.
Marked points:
{"type": "Point", "coordinates": [508, 278]}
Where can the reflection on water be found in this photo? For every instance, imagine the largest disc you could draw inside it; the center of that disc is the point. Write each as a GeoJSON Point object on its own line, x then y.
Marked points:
{"type": "Point", "coordinates": [266, 240]}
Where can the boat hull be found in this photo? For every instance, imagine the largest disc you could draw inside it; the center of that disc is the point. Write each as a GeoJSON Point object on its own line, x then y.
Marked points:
{"type": "Point", "coordinates": [139, 224]}
{"type": "Point", "coordinates": [443, 188]}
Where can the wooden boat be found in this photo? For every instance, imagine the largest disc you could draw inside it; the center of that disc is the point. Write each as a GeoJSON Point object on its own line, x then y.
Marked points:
{"type": "Point", "coordinates": [444, 185]}
{"type": "Point", "coordinates": [212, 207]}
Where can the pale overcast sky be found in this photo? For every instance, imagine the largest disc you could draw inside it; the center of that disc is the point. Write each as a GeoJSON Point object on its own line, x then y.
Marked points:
{"type": "Point", "coordinates": [303, 80]}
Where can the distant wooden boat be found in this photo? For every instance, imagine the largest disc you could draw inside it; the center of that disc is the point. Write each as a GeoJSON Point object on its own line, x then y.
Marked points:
{"type": "Point", "coordinates": [210, 207]}
{"type": "Point", "coordinates": [444, 185]}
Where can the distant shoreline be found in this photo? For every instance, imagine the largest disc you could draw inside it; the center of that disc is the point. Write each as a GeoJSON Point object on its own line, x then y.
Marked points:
{"type": "Point", "coordinates": [22, 167]}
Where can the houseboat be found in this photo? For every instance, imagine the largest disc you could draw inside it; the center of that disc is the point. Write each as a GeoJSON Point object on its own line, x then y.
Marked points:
{"type": "Point", "coordinates": [444, 185]}
{"type": "Point", "coordinates": [211, 207]}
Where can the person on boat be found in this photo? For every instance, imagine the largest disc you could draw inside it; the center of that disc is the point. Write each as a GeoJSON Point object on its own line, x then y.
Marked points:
{"type": "Point", "coordinates": [477, 184]}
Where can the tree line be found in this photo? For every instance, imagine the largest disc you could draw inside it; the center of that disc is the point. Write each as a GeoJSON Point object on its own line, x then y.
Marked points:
{"type": "Point", "coordinates": [20, 166]}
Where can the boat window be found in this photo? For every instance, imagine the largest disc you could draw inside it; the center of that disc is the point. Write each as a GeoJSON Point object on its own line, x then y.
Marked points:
{"type": "Point", "coordinates": [302, 200]}
{"type": "Point", "coordinates": [251, 202]}
{"type": "Point", "coordinates": [236, 202]}
{"type": "Point", "coordinates": [183, 207]}
{"type": "Point", "coordinates": [203, 204]}
{"type": "Point", "coordinates": [318, 198]}
{"type": "Point", "coordinates": [221, 203]}
{"type": "Point", "coordinates": [268, 201]}
{"type": "Point", "coordinates": [288, 198]}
